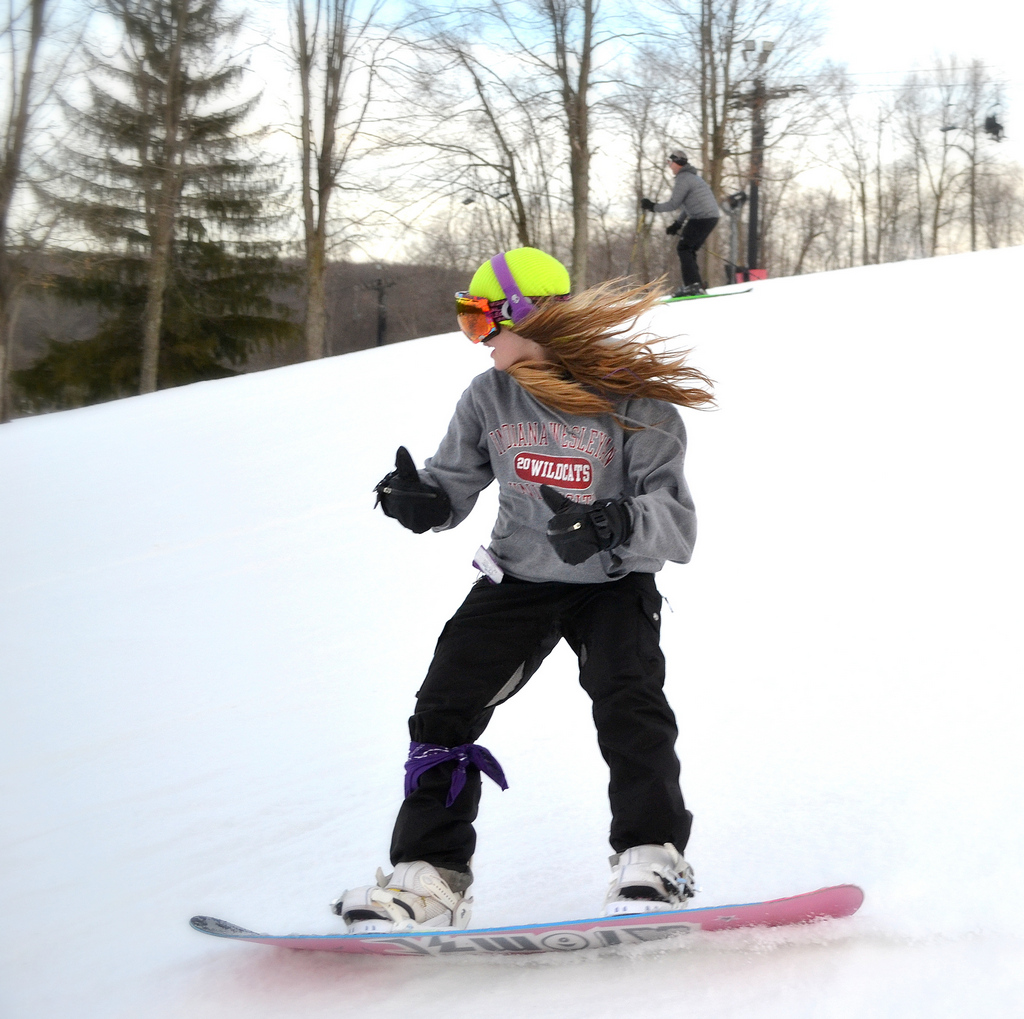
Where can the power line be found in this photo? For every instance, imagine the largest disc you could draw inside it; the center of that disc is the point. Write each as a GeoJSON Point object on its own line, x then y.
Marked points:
{"type": "Point", "coordinates": [867, 89]}
{"type": "Point", "coordinates": [903, 70]}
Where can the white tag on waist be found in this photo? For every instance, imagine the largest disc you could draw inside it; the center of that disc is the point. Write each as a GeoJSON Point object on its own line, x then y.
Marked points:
{"type": "Point", "coordinates": [485, 563]}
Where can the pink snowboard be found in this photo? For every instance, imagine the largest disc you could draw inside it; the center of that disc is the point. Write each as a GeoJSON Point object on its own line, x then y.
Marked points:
{"type": "Point", "coordinates": [569, 936]}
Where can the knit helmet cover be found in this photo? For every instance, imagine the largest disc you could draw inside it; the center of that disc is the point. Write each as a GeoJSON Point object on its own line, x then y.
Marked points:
{"type": "Point", "coordinates": [537, 274]}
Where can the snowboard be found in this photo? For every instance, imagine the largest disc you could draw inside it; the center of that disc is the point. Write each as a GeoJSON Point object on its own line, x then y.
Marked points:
{"type": "Point", "coordinates": [700, 297]}
{"type": "Point", "coordinates": [567, 936]}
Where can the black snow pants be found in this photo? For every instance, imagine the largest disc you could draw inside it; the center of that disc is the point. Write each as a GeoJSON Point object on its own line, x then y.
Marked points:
{"type": "Point", "coordinates": [489, 649]}
{"type": "Point", "coordinates": [694, 234]}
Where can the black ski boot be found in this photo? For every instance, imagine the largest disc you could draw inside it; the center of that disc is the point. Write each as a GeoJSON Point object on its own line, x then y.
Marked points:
{"type": "Point", "coordinates": [693, 290]}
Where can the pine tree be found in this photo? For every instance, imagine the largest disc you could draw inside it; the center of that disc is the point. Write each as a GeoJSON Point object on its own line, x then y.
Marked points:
{"type": "Point", "coordinates": [176, 209]}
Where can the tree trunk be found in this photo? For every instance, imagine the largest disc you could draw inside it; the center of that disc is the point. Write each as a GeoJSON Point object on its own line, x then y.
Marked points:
{"type": "Point", "coordinates": [314, 324]}
{"type": "Point", "coordinates": [579, 170]}
{"type": "Point", "coordinates": [575, 102]}
{"type": "Point", "coordinates": [316, 299]}
{"type": "Point", "coordinates": [715, 58]}
{"type": "Point", "coordinates": [10, 171]}
{"type": "Point", "coordinates": [156, 287]}
{"type": "Point", "coordinates": [5, 346]}
{"type": "Point", "coordinates": [166, 209]}
{"type": "Point", "coordinates": [520, 218]}
{"type": "Point", "coordinates": [7, 299]}
{"type": "Point", "coordinates": [332, 31]}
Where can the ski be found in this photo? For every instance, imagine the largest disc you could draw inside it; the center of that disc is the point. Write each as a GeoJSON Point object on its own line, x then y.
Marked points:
{"type": "Point", "coordinates": [568, 936]}
{"type": "Point", "coordinates": [700, 297]}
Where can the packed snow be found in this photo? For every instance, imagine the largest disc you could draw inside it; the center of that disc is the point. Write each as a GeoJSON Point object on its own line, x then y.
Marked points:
{"type": "Point", "coordinates": [211, 642]}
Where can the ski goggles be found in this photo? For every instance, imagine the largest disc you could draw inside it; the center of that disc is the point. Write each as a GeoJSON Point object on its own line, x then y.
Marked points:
{"type": "Point", "coordinates": [478, 318]}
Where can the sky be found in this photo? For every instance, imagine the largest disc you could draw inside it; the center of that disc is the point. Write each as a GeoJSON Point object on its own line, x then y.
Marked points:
{"type": "Point", "coordinates": [881, 40]}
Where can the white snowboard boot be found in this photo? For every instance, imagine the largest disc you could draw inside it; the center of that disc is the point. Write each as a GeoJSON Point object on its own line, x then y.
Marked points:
{"type": "Point", "coordinates": [414, 897]}
{"type": "Point", "coordinates": [648, 879]}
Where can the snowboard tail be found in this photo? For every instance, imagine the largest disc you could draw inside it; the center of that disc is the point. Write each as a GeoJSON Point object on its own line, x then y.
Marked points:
{"type": "Point", "coordinates": [567, 936]}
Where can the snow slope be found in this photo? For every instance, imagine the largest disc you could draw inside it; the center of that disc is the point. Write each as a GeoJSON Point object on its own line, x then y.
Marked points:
{"type": "Point", "coordinates": [210, 644]}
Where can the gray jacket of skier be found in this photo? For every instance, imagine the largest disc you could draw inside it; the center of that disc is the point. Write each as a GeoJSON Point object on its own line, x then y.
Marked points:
{"type": "Point", "coordinates": [692, 195]}
{"type": "Point", "coordinates": [500, 432]}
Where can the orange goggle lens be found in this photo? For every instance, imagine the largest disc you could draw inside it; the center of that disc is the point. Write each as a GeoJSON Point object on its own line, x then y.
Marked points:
{"type": "Point", "coordinates": [475, 317]}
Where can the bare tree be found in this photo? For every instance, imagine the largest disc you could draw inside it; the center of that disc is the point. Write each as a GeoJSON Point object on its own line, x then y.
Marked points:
{"type": "Point", "coordinates": [507, 165]}
{"type": "Point", "coordinates": [551, 44]}
{"type": "Point", "coordinates": [571, 24]}
{"type": "Point", "coordinates": [1001, 205]}
{"type": "Point", "coordinates": [485, 140]}
{"type": "Point", "coordinates": [642, 107]}
{"type": "Point", "coordinates": [858, 138]}
{"type": "Point", "coordinates": [976, 95]}
{"type": "Point", "coordinates": [711, 39]}
{"type": "Point", "coordinates": [21, 35]}
{"type": "Point", "coordinates": [813, 232]}
{"type": "Point", "coordinates": [925, 111]}
{"type": "Point", "coordinates": [556, 40]}
{"type": "Point", "coordinates": [814, 221]}
{"type": "Point", "coordinates": [336, 50]}
{"type": "Point", "coordinates": [916, 166]}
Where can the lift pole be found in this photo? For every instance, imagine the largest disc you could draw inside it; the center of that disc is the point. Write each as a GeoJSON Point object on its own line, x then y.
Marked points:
{"type": "Point", "coordinates": [757, 103]}
{"type": "Point", "coordinates": [382, 312]}
{"type": "Point", "coordinates": [756, 100]}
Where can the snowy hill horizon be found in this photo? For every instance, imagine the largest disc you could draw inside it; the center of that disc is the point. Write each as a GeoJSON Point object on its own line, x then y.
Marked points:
{"type": "Point", "coordinates": [210, 644]}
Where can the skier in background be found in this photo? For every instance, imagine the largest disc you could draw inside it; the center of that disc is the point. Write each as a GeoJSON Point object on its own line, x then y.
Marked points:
{"type": "Point", "coordinates": [700, 212]}
{"type": "Point", "coordinates": [572, 406]}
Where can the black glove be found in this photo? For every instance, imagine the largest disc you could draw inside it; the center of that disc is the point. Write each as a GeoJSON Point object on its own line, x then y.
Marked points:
{"type": "Point", "coordinates": [647, 204]}
{"type": "Point", "coordinates": [577, 532]}
{"type": "Point", "coordinates": [413, 504]}
{"type": "Point", "coordinates": [674, 228]}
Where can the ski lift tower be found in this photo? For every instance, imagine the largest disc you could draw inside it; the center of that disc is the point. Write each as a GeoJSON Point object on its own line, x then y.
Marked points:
{"type": "Point", "coordinates": [757, 103]}
{"type": "Point", "coordinates": [756, 100]}
{"type": "Point", "coordinates": [381, 287]}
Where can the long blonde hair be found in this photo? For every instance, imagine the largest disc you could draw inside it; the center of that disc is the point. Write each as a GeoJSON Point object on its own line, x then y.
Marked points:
{"type": "Point", "coordinates": [593, 363]}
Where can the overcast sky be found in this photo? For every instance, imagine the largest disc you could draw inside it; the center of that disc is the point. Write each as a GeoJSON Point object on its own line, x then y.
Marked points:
{"type": "Point", "coordinates": [881, 40]}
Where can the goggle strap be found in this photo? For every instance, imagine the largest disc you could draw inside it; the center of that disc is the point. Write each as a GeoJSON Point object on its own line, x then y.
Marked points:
{"type": "Point", "coordinates": [518, 304]}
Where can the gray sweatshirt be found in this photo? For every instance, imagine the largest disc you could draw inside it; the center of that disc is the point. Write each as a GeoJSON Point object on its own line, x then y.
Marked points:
{"type": "Point", "coordinates": [691, 194]}
{"type": "Point", "coordinates": [501, 432]}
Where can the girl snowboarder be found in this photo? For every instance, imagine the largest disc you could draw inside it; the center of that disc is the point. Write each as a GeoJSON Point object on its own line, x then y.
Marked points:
{"type": "Point", "coordinates": [577, 424]}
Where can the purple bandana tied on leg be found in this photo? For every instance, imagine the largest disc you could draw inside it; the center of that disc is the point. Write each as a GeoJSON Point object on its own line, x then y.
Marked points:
{"type": "Point", "coordinates": [424, 756]}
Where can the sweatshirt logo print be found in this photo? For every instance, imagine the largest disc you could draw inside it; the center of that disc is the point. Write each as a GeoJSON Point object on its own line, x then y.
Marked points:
{"type": "Point", "coordinates": [570, 472]}
{"type": "Point", "coordinates": [589, 441]}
